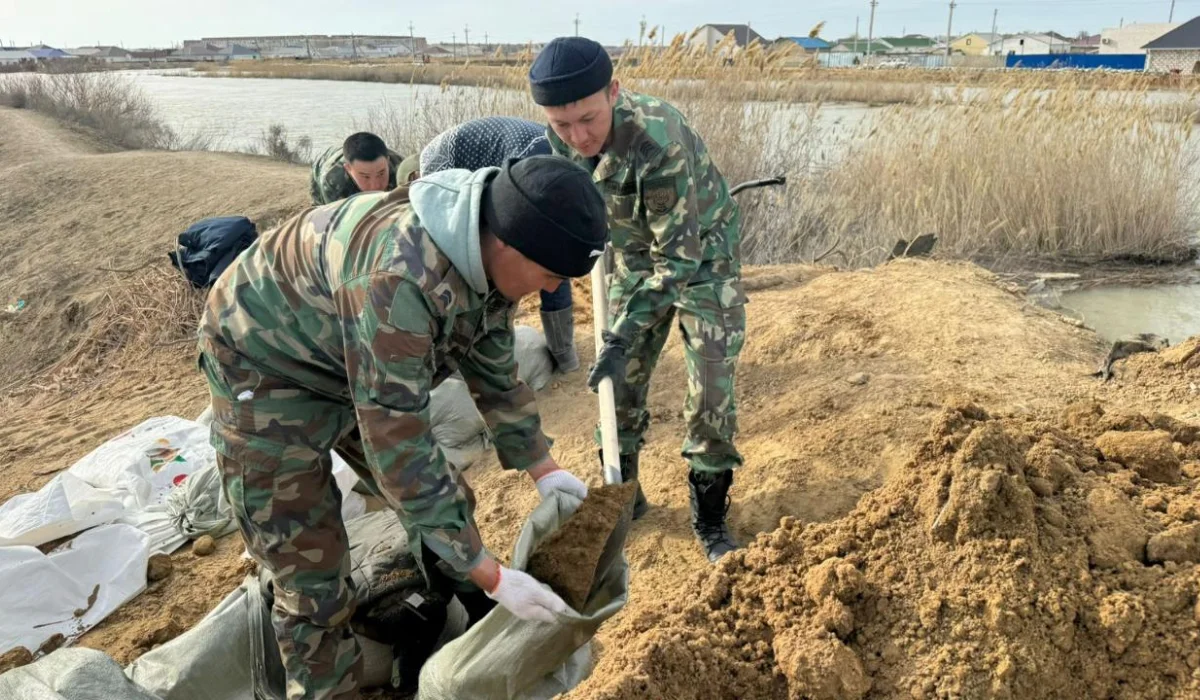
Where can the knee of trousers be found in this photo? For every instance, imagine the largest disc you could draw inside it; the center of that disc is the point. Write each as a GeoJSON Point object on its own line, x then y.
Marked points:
{"type": "Point", "coordinates": [322, 605]}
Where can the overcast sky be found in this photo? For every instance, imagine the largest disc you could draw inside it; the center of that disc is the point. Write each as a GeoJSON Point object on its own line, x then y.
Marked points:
{"type": "Point", "coordinates": [141, 23]}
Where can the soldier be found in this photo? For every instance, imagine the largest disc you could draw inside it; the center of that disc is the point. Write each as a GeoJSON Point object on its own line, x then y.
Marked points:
{"type": "Point", "coordinates": [675, 234]}
{"type": "Point", "coordinates": [490, 142]}
{"type": "Point", "coordinates": [363, 163]}
{"type": "Point", "coordinates": [331, 331]}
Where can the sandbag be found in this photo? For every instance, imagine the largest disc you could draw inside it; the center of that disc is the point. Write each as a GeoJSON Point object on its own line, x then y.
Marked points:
{"type": "Point", "coordinates": [503, 656]}
{"type": "Point", "coordinates": [74, 674]}
{"type": "Point", "coordinates": [535, 365]}
{"type": "Point", "coordinates": [456, 423]}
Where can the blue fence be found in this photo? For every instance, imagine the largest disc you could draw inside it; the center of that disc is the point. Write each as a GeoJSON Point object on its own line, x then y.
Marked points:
{"type": "Point", "coordinates": [1116, 61]}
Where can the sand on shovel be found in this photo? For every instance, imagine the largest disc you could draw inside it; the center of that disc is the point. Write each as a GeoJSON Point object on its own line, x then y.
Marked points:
{"type": "Point", "coordinates": [567, 559]}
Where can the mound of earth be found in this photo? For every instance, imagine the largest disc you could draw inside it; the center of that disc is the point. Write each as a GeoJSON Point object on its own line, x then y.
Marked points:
{"type": "Point", "coordinates": [1010, 559]}
{"type": "Point", "coordinates": [72, 215]}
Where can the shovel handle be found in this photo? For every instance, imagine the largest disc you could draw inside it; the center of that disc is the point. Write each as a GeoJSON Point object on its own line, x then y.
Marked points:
{"type": "Point", "coordinates": [610, 448]}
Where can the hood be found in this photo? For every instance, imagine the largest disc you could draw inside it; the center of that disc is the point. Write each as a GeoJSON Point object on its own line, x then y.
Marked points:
{"type": "Point", "coordinates": [448, 205]}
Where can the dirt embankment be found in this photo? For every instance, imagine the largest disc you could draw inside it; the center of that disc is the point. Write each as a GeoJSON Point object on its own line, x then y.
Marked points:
{"type": "Point", "coordinates": [842, 377]}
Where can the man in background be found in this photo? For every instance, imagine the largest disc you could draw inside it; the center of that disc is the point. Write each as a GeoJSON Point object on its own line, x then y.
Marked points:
{"type": "Point", "coordinates": [363, 163]}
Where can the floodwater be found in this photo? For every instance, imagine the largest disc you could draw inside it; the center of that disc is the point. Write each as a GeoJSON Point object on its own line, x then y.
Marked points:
{"type": "Point", "coordinates": [236, 111]}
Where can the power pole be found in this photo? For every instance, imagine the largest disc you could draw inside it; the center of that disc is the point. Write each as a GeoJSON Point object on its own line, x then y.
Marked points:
{"type": "Point", "coordinates": [467, 40]}
{"type": "Point", "coordinates": [1171, 17]}
{"type": "Point", "coordinates": [412, 42]}
{"type": "Point", "coordinates": [353, 47]}
{"type": "Point", "coordinates": [485, 41]}
{"type": "Point", "coordinates": [856, 34]}
{"type": "Point", "coordinates": [995, 14]}
{"type": "Point", "coordinates": [949, 28]}
{"type": "Point", "coordinates": [871, 27]}
{"type": "Point", "coordinates": [576, 24]}
{"type": "Point", "coordinates": [453, 46]}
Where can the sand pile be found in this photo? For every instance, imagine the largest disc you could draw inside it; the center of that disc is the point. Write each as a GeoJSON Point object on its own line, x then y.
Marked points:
{"type": "Point", "coordinates": [1014, 557]}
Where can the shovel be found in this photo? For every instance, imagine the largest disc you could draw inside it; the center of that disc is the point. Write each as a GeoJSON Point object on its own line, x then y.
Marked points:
{"type": "Point", "coordinates": [610, 449]}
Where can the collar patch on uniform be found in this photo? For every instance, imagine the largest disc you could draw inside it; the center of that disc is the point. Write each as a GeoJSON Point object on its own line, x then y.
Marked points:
{"type": "Point", "coordinates": [659, 195]}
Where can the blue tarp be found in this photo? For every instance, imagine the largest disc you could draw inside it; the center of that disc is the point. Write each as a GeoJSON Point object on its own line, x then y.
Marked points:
{"type": "Point", "coordinates": [1078, 61]}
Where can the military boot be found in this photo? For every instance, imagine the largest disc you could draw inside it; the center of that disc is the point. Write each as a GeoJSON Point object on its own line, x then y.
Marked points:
{"type": "Point", "coordinates": [710, 504]}
{"type": "Point", "coordinates": [629, 472]}
{"type": "Point", "coordinates": [560, 338]}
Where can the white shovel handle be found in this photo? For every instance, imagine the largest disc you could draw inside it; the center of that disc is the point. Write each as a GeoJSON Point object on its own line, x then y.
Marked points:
{"type": "Point", "coordinates": [610, 447]}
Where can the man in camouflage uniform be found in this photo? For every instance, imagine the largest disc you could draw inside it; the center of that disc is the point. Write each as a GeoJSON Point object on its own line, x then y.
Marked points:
{"type": "Point", "coordinates": [331, 331]}
{"type": "Point", "coordinates": [363, 163]}
{"type": "Point", "coordinates": [675, 234]}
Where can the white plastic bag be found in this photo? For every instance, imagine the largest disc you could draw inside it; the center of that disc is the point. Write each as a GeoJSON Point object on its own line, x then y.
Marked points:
{"type": "Point", "coordinates": [456, 423]}
{"type": "Point", "coordinates": [535, 365]}
{"type": "Point", "coordinates": [47, 594]}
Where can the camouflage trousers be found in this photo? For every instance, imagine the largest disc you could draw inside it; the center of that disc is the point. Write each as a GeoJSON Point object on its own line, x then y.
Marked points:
{"type": "Point", "coordinates": [273, 443]}
{"type": "Point", "coordinates": [712, 323]}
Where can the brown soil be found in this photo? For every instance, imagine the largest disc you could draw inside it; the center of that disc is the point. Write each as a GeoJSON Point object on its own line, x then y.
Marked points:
{"type": "Point", "coordinates": [15, 658]}
{"type": "Point", "coordinates": [567, 559]}
{"type": "Point", "coordinates": [921, 335]}
{"type": "Point", "coordinates": [973, 573]}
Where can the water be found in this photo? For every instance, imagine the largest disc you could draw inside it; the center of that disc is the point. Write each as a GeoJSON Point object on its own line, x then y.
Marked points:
{"type": "Point", "coordinates": [1172, 311]}
{"type": "Point", "coordinates": [236, 111]}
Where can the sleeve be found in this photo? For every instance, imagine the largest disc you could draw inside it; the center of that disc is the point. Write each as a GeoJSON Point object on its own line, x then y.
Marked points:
{"type": "Point", "coordinates": [389, 361]}
{"type": "Point", "coordinates": [673, 219]}
{"type": "Point", "coordinates": [508, 404]}
{"type": "Point", "coordinates": [314, 184]}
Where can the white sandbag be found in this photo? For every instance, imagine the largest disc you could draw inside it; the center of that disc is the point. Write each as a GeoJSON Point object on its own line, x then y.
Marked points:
{"type": "Point", "coordinates": [47, 594]}
{"type": "Point", "coordinates": [119, 479]}
{"type": "Point", "coordinates": [62, 507]}
{"type": "Point", "coordinates": [457, 425]}
{"type": "Point", "coordinates": [353, 504]}
{"type": "Point", "coordinates": [72, 674]}
{"type": "Point", "coordinates": [535, 365]}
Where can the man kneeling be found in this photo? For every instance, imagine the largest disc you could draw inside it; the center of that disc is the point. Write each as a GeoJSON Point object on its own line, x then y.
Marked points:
{"type": "Point", "coordinates": [331, 331]}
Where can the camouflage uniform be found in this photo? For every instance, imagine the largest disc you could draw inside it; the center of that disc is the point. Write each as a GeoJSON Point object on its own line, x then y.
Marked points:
{"type": "Point", "coordinates": [330, 182]}
{"type": "Point", "coordinates": [675, 235]}
{"type": "Point", "coordinates": [330, 332]}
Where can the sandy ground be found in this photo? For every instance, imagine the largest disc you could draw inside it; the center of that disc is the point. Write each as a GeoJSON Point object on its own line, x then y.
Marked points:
{"type": "Point", "coordinates": [842, 375]}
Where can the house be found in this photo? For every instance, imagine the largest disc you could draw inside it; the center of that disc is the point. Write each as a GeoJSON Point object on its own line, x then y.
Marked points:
{"type": "Point", "coordinates": [709, 35]}
{"type": "Point", "coordinates": [806, 44]}
{"type": "Point", "coordinates": [974, 43]}
{"type": "Point", "coordinates": [909, 44]}
{"type": "Point", "coordinates": [150, 55]}
{"type": "Point", "coordinates": [237, 52]}
{"type": "Point", "coordinates": [1130, 38]}
{"type": "Point", "coordinates": [1029, 44]}
{"type": "Point", "coordinates": [1177, 51]}
{"type": "Point", "coordinates": [10, 57]}
{"type": "Point", "coordinates": [46, 53]}
{"type": "Point", "coordinates": [1089, 43]}
{"type": "Point", "coordinates": [197, 51]}
{"type": "Point", "coordinates": [859, 45]}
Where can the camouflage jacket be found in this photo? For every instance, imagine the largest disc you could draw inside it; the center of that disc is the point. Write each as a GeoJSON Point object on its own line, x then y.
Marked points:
{"type": "Point", "coordinates": [330, 182]}
{"type": "Point", "coordinates": [671, 219]}
{"type": "Point", "coordinates": [364, 302]}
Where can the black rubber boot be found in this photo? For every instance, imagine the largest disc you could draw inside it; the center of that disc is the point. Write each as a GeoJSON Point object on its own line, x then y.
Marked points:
{"type": "Point", "coordinates": [629, 472]}
{"type": "Point", "coordinates": [710, 504]}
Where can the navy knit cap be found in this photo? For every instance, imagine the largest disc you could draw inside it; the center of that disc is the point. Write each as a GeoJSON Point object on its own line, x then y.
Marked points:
{"type": "Point", "coordinates": [569, 69]}
{"type": "Point", "coordinates": [549, 209]}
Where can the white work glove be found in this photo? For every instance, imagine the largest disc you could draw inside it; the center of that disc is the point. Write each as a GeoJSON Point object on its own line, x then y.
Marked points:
{"type": "Point", "coordinates": [523, 596]}
{"type": "Point", "coordinates": [561, 480]}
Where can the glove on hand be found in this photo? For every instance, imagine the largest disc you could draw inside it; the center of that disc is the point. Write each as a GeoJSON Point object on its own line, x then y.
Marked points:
{"type": "Point", "coordinates": [525, 597]}
{"type": "Point", "coordinates": [610, 362]}
{"type": "Point", "coordinates": [561, 480]}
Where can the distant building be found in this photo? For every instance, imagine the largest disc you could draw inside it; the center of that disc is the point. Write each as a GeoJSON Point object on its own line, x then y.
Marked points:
{"type": "Point", "coordinates": [1086, 44]}
{"type": "Point", "coordinates": [805, 43]}
{"type": "Point", "coordinates": [1132, 37]}
{"type": "Point", "coordinates": [102, 54]}
{"type": "Point", "coordinates": [46, 53]}
{"type": "Point", "coordinates": [313, 42]}
{"type": "Point", "coordinates": [709, 35]}
{"type": "Point", "coordinates": [1029, 44]}
{"type": "Point", "coordinates": [974, 44]}
{"type": "Point", "coordinates": [860, 46]}
{"type": "Point", "coordinates": [10, 57]}
{"type": "Point", "coordinates": [909, 44]}
{"type": "Point", "coordinates": [1177, 51]}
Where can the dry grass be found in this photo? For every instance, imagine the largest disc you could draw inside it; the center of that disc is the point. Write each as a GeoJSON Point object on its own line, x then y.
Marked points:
{"type": "Point", "coordinates": [140, 313]}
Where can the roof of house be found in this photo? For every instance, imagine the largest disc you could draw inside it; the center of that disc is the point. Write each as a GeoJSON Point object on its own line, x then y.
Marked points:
{"type": "Point", "coordinates": [15, 53]}
{"type": "Point", "coordinates": [989, 37]}
{"type": "Point", "coordinates": [742, 33]}
{"type": "Point", "coordinates": [239, 50]}
{"type": "Point", "coordinates": [907, 42]}
{"type": "Point", "coordinates": [807, 42]}
{"type": "Point", "coordinates": [47, 52]}
{"type": "Point", "coordinates": [112, 52]}
{"type": "Point", "coordinates": [877, 46]}
{"type": "Point", "coordinates": [1043, 38]}
{"type": "Point", "coordinates": [1185, 36]}
{"type": "Point", "coordinates": [1090, 40]}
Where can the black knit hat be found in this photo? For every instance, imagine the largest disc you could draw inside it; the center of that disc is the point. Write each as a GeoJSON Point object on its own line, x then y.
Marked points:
{"type": "Point", "coordinates": [569, 69]}
{"type": "Point", "coordinates": [549, 209]}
